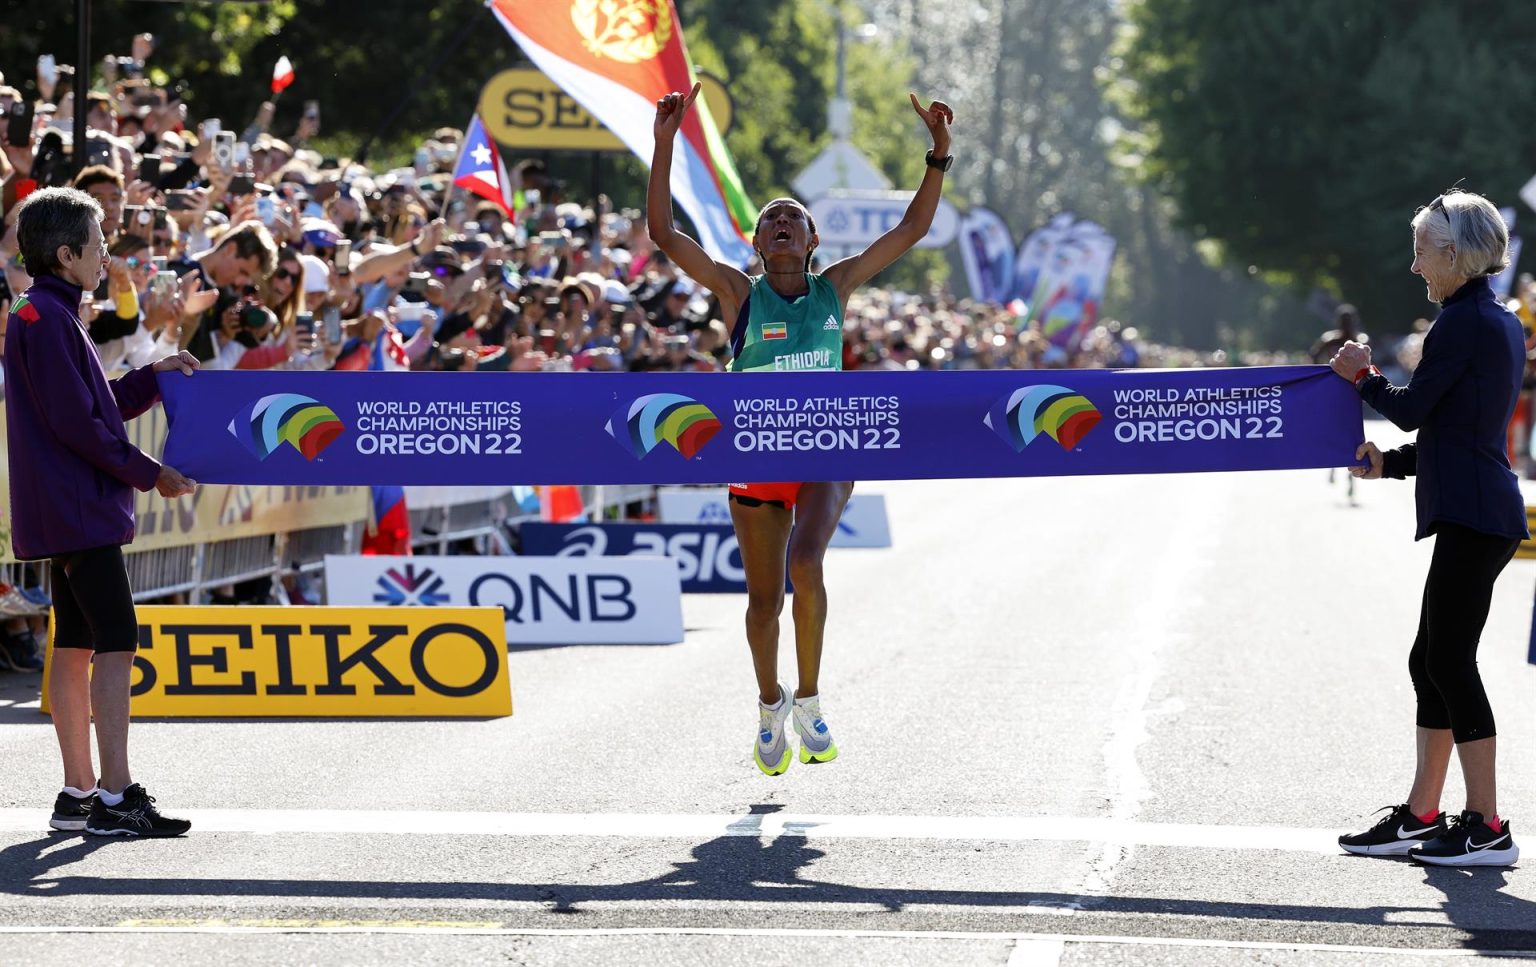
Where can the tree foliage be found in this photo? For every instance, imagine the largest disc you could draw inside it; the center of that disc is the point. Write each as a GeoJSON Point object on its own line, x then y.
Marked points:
{"type": "Point", "coordinates": [1300, 135]}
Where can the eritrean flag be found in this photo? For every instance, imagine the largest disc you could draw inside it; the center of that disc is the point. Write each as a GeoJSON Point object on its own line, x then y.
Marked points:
{"type": "Point", "coordinates": [618, 58]}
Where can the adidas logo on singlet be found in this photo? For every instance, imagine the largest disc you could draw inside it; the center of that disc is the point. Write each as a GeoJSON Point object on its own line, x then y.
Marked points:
{"type": "Point", "coordinates": [832, 325]}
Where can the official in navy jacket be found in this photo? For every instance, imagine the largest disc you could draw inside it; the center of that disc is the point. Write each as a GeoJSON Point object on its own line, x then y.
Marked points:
{"type": "Point", "coordinates": [73, 472]}
{"type": "Point", "coordinates": [1460, 400]}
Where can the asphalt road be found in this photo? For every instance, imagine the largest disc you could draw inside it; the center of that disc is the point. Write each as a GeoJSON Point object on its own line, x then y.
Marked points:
{"type": "Point", "coordinates": [1082, 721]}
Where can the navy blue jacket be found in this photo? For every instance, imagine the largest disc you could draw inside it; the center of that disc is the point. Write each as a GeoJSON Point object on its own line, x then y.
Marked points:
{"type": "Point", "coordinates": [73, 469]}
{"type": "Point", "coordinates": [1460, 399]}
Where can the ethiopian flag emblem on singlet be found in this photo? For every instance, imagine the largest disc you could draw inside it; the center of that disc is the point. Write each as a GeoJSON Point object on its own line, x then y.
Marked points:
{"type": "Point", "coordinates": [25, 310]}
{"type": "Point", "coordinates": [775, 330]}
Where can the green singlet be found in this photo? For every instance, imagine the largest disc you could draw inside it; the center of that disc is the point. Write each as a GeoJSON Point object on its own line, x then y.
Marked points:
{"type": "Point", "coordinates": [775, 335]}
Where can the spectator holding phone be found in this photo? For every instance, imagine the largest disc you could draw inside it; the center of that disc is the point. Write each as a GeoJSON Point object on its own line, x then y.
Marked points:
{"type": "Point", "coordinates": [242, 257]}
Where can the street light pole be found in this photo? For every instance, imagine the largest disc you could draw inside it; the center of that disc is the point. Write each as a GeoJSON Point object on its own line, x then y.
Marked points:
{"type": "Point", "coordinates": [82, 81]}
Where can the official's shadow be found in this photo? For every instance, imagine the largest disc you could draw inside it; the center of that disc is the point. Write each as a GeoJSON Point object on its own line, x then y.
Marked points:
{"type": "Point", "coordinates": [1472, 895]}
{"type": "Point", "coordinates": [741, 867]}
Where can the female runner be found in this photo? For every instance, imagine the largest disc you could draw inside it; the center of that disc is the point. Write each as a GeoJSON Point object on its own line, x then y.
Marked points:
{"type": "Point", "coordinates": [788, 318]}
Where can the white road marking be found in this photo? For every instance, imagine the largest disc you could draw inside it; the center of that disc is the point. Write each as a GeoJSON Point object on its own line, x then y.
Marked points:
{"type": "Point", "coordinates": [220, 927]}
{"type": "Point", "coordinates": [1169, 593]}
{"type": "Point", "coordinates": [1037, 953]}
{"type": "Point", "coordinates": [704, 827]}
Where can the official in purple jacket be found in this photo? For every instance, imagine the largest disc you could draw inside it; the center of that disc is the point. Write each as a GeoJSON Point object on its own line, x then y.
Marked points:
{"type": "Point", "coordinates": [73, 472]}
{"type": "Point", "coordinates": [1460, 400]}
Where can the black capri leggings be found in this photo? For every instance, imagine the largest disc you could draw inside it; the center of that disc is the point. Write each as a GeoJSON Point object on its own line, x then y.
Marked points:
{"type": "Point", "coordinates": [1443, 662]}
{"type": "Point", "coordinates": [92, 603]}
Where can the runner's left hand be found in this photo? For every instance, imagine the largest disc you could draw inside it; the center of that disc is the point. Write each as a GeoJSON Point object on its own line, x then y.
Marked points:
{"type": "Point", "coordinates": [938, 117]}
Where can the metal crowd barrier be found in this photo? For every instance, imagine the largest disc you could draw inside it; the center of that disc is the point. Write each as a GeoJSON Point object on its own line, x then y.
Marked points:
{"type": "Point", "coordinates": [191, 571]}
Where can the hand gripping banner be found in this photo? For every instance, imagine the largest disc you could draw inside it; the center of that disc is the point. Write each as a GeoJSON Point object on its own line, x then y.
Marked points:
{"type": "Point", "coordinates": [582, 428]}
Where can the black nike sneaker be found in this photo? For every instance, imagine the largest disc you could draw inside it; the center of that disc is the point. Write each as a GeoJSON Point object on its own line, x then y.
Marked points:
{"type": "Point", "coordinates": [136, 815]}
{"type": "Point", "coordinates": [1397, 833]}
{"type": "Point", "coordinates": [69, 813]}
{"type": "Point", "coordinates": [1469, 842]}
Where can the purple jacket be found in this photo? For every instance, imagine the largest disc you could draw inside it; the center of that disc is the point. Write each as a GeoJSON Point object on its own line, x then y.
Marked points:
{"type": "Point", "coordinates": [72, 466]}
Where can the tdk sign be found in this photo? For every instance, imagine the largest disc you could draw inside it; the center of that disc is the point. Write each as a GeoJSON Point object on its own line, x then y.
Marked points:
{"type": "Point", "coordinates": [708, 557]}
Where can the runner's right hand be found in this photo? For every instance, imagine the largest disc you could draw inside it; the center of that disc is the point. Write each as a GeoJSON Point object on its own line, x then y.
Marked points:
{"type": "Point", "coordinates": [670, 111]}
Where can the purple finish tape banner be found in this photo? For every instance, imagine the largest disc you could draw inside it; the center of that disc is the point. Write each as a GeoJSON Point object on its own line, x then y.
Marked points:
{"type": "Point", "coordinates": [308, 428]}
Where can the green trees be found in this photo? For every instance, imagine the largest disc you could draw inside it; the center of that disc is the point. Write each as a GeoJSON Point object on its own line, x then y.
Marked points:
{"type": "Point", "coordinates": [1300, 135]}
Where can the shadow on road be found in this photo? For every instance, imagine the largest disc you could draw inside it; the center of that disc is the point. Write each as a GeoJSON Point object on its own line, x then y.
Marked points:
{"type": "Point", "coordinates": [744, 868]}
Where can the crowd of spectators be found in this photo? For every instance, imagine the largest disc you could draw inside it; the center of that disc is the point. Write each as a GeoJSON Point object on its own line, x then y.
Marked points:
{"type": "Point", "coordinates": [254, 251]}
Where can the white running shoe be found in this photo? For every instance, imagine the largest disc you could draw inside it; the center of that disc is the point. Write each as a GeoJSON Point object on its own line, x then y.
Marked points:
{"type": "Point", "coordinates": [816, 743]}
{"type": "Point", "coordinates": [771, 751]}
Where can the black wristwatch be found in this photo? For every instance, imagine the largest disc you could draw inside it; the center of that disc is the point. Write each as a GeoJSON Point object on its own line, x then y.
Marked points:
{"type": "Point", "coordinates": [940, 163]}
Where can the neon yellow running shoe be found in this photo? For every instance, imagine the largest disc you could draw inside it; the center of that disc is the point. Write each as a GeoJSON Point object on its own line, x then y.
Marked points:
{"type": "Point", "coordinates": [816, 743]}
{"type": "Point", "coordinates": [771, 751]}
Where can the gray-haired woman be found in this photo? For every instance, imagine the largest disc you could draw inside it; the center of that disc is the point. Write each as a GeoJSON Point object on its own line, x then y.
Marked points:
{"type": "Point", "coordinates": [1460, 400]}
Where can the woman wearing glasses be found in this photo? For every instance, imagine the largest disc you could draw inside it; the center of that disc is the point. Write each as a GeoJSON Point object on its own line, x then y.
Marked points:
{"type": "Point", "coordinates": [1460, 400]}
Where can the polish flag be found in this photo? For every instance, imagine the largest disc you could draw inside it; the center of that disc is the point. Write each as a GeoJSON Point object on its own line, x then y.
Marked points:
{"type": "Point", "coordinates": [618, 58]}
{"type": "Point", "coordinates": [282, 75]}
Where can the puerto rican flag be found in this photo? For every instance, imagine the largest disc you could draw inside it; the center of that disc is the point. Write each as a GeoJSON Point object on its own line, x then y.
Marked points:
{"type": "Point", "coordinates": [617, 60]}
{"type": "Point", "coordinates": [480, 168]}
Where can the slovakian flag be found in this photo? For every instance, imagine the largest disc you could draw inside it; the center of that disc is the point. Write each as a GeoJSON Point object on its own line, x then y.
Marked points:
{"type": "Point", "coordinates": [618, 58]}
{"type": "Point", "coordinates": [282, 75]}
{"type": "Point", "coordinates": [480, 168]}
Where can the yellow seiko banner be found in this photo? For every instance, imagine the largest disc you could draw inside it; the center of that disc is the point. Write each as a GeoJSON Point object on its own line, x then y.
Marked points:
{"type": "Point", "coordinates": [523, 109]}
{"type": "Point", "coordinates": [273, 662]}
{"type": "Point", "coordinates": [216, 512]}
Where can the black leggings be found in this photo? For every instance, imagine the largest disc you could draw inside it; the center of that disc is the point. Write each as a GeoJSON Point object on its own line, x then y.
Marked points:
{"type": "Point", "coordinates": [1443, 662]}
{"type": "Point", "coordinates": [92, 603]}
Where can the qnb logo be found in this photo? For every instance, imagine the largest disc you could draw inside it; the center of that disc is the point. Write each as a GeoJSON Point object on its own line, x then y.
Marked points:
{"type": "Point", "coordinates": [406, 586]}
{"type": "Point", "coordinates": [681, 421]}
{"type": "Point", "coordinates": [309, 425]}
{"type": "Point", "coordinates": [1062, 414]}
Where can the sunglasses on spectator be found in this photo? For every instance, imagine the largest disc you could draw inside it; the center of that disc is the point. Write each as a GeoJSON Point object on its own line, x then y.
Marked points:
{"type": "Point", "coordinates": [134, 262]}
{"type": "Point", "coordinates": [284, 274]}
{"type": "Point", "coordinates": [1438, 205]}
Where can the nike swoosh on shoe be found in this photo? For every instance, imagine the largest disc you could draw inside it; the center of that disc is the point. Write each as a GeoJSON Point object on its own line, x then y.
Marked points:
{"type": "Point", "coordinates": [1479, 846]}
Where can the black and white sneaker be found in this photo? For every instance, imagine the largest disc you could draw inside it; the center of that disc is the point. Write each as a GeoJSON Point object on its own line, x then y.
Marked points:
{"type": "Point", "coordinates": [1469, 842]}
{"type": "Point", "coordinates": [136, 815]}
{"type": "Point", "coordinates": [1397, 833]}
{"type": "Point", "coordinates": [69, 813]}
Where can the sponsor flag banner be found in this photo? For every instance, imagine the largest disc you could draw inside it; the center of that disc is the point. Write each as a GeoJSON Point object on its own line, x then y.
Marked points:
{"type": "Point", "coordinates": [652, 428]}
{"type": "Point", "coordinates": [864, 522]}
{"type": "Point", "coordinates": [543, 600]}
{"type": "Point", "coordinates": [987, 252]}
{"type": "Point", "coordinates": [276, 662]}
{"type": "Point", "coordinates": [707, 555]}
{"type": "Point", "coordinates": [618, 58]}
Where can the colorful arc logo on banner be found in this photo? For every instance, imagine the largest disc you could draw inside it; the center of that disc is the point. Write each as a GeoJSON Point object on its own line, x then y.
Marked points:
{"type": "Point", "coordinates": [679, 420]}
{"type": "Point", "coordinates": [1063, 414]}
{"type": "Point", "coordinates": [307, 424]}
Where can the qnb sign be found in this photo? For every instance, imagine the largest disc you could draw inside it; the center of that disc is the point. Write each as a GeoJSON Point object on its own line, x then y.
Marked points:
{"type": "Point", "coordinates": [540, 600]}
{"type": "Point", "coordinates": [589, 597]}
{"type": "Point", "coordinates": [376, 662]}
